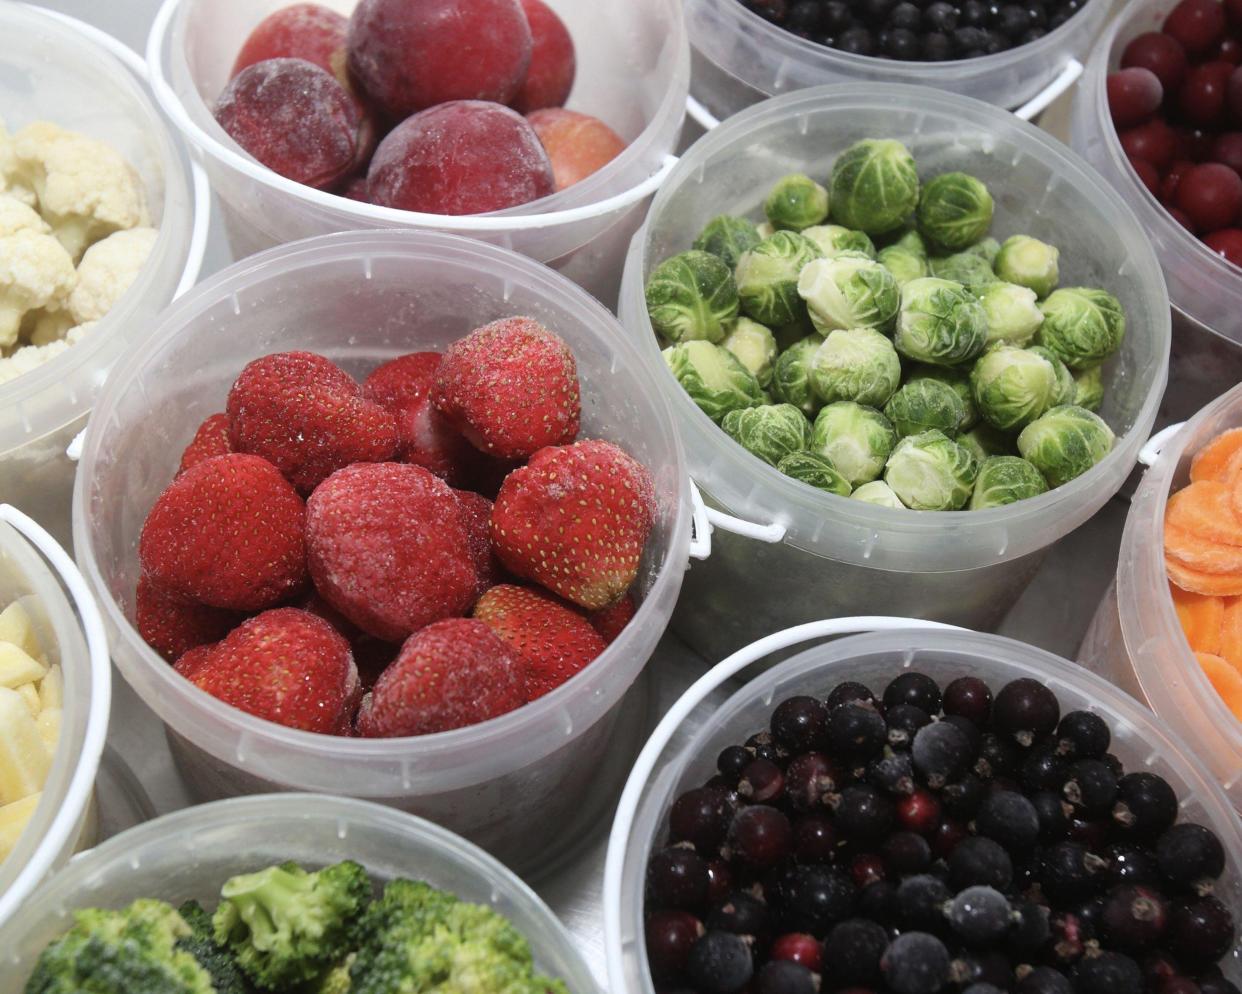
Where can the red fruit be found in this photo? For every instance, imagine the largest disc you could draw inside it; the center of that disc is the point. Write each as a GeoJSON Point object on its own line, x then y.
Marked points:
{"type": "Point", "coordinates": [1195, 144]}
{"type": "Point", "coordinates": [284, 665]}
{"type": "Point", "coordinates": [1196, 24]}
{"type": "Point", "coordinates": [1229, 50]}
{"type": "Point", "coordinates": [227, 533]}
{"type": "Point", "coordinates": [919, 812]}
{"type": "Point", "coordinates": [553, 642]}
{"type": "Point", "coordinates": [210, 440]}
{"type": "Point", "coordinates": [798, 947]}
{"type": "Point", "coordinates": [448, 675]}
{"type": "Point", "coordinates": [1233, 93]}
{"type": "Point", "coordinates": [1168, 185]}
{"type": "Point", "coordinates": [611, 621]}
{"type": "Point", "coordinates": [867, 868]}
{"type": "Point", "coordinates": [577, 144]}
{"type": "Point", "coordinates": [476, 515]}
{"type": "Point", "coordinates": [172, 626]}
{"type": "Point", "coordinates": [1154, 141]}
{"type": "Point", "coordinates": [511, 387]}
{"type": "Point", "coordinates": [388, 548]}
{"type": "Point", "coordinates": [552, 61]}
{"type": "Point", "coordinates": [1160, 53]}
{"type": "Point", "coordinates": [356, 189]}
{"type": "Point", "coordinates": [307, 416]}
{"type": "Point", "coordinates": [1227, 150]}
{"type": "Point", "coordinates": [1202, 96]}
{"type": "Point", "coordinates": [408, 56]}
{"type": "Point", "coordinates": [301, 31]}
{"type": "Point", "coordinates": [575, 519]}
{"type": "Point", "coordinates": [464, 157]}
{"type": "Point", "coordinates": [1226, 242]}
{"type": "Point", "coordinates": [1182, 218]}
{"type": "Point", "coordinates": [1211, 195]}
{"type": "Point", "coordinates": [1134, 94]}
{"type": "Point", "coordinates": [1147, 174]}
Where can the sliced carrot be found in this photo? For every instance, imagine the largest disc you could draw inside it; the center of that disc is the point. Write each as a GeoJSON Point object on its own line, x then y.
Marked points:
{"type": "Point", "coordinates": [1230, 641]}
{"type": "Point", "coordinates": [1201, 618]}
{"type": "Point", "coordinates": [1226, 680]}
{"type": "Point", "coordinates": [1201, 553]}
{"type": "Point", "coordinates": [1204, 509]}
{"type": "Point", "coordinates": [1211, 461]}
{"type": "Point", "coordinates": [1198, 582]}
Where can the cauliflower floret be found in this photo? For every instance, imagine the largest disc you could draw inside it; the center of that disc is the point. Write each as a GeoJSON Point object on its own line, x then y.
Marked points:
{"type": "Point", "coordinates": [86, 190]}
{"type": "Point", "coordinates": [44, 326]}
{"type": "Point", "coordinates": [16, 216]}
{"type": "Point", "coordinates": [31, 357]}
{"type": "Point", "coordinates": [35, 271]}
{"type": "Point", "coordinates": [10, 181]}
{"type": "Point", "coordinates": [107, 270]}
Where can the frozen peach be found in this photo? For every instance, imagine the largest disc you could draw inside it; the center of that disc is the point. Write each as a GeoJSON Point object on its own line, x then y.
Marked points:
{"type": "Point", "coordinates": [552, 61]}
{"type": "Point", "coordinates": [302, 31]}
{"type": "Point", "coordinates": [463, 157]}
{"type": "Point", "coordinates": [577, 144]}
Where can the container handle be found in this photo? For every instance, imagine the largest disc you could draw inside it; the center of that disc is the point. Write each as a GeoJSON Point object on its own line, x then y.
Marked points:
{"type": "Point", "coordinates": [1150, 452]}
{"type": "Point", "coordinates": [700, 115]}
{"type": "Point", "coordinates": [704, 520]}
{"type": "Point", "coordinates": [1042, 100]}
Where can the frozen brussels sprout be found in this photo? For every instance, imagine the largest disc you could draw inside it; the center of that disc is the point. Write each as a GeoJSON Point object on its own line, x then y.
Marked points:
{"type": "Point", "coordinates": [874, 187]}
{"type": "Point", "coordinates": [727, 238]}
{"type": "Point", "coordinates": [922, 405]}
{"type": "Point", "coordinates": [857, 440]}
{"type": "Point", "coordinates": [767, 278]}
{"type": "Point", "coordinates": [986, 249]}
{"type": "Point", "coordinates": [754, 346]}
{"type": "Point", "coordinates": [1028, 262]}
{"type": "Point", "coordinates": [816, 470]}
{"type": "Point", "coordinates": [903, 264]}
{"type": "Point", "coordinates": [955, 211]}
{"type": "Point", "coordinates": [713, 378]}
{"type": "Point", "coordinates": [1063, 392]}
{"type": "Point", "coordinates": [796, 202]}
{"type": "Point", "coordinates": [833, 239]}
{"type": "Point", "coordinates": [858, 364]}
{"type": "Point", "coordinates": [1012, 386]}
{"type": "Point", "coordinates": [959, 380]}
{"type": "Point", "coordinates": [983, 441]}
{"type": "Point", "coordinates": [791, 376]}
{"type": "Point", "coordinates": [789, 335]}
{"type": "Point", "coordinates": [931, 472]}
{"type": "Point", "coordinates": [1012, 312]}
{"type": "Point", "coordinates": [1089, 389]}
{"type": "Point", "coordinates": [967, 268]}
{"type": "Point", "coordinates": [1005, 480]}
{"type": "Point", "coordinates": [1083, 326]}
{"type": "Point", "coordinates": [911, 241]}
{"type": "Point", "coordinates": [770, 431]}
{"type": "Point", "coordinates": [940, 322]}
{"type": "Point", "coordinates": [1065, 443]}
{"type": "Point", "coordinates": [692, 297]}
{"type": "Point", "coordinates": [849, 291]}
{"type": "Point", "coordinates": [877, 492]}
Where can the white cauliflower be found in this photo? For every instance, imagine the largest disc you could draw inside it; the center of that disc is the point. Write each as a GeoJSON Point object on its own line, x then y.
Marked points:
{"type": "Point", "coordinates": [35, 270]}
{"type": "Point", "coordinates": [43, 326]}
{"type": "Point", "coordinates": [31, 357]}
{"type": "Point", "coordinates": [107, 270]}
{"type": "Point", "coordinates": [10, 181]}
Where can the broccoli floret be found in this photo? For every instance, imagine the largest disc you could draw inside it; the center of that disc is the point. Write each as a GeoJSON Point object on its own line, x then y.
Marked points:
{"type": "Point", "coordinates": [334, 981]}
{"type": "Point", "coordinates": [215, 959]}
{"type": "Point", "coordinates": [285, 926]}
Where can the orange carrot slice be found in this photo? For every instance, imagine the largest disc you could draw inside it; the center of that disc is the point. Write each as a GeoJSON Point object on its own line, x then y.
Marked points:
{"type": "Point", "coordinates": [1211, 461]}
{"type": "Point", "coordinates": [1201, 619]}
{"type": "Point", "coordinates": [1198, 582]}
{"type": "Point", "coordinates": [1200, 553]}
{"type": "Point", "coordinates": [1230, 641]}
{"type": "Point", "coordinates": [1205, 509]}
{"type": "Point", "coordinates": [1226, 680]}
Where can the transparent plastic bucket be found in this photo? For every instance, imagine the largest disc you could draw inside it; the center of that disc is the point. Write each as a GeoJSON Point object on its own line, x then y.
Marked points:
{"type": "Point", "coordinates": [1136, 640]}
{"type": "Point", "coordinates": [830, 556]}
{"type": "Point", "coordinates": [190, 854]}
{"type": "Point", "coordinates": [669, 766]}
{"type": "Point", "coordinates": [633, 72]}
{"type": "Point", "coordinates": [57, 69]}
{"type": "Point", "coordinates": [512, 784]}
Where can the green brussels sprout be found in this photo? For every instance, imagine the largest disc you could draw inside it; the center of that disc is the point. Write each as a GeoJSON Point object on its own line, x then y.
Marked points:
{"type": "Point", "coordinates": [789, 335]}
{"type": "Point", "coordinates": [940, 322]}
{"type": "Point", "coordinates": [955, 211]}
{"type": "Point", "coordinates": [849, 291]}
{"type": "Point", "coordinates": [833, 239]}
{"type": "Point", "coordinates": [967, 268]}
{"type": "Point", "coordinates": [877, 492]}
{"type": "Point", "coordinates": [1089, 389]}
{"type": "Point", "coordinates": [959, 380]}
{"type": "Point", "coordinates": [767, 278]}
{"type": "Point", "coordinates": [770, 431]}
{"type": "Point", "coordinates": [858, 364]}
{"type": "Point", "coordinates": [1028, 262]}
{"type": "Point", "coordinates": [983, 441]}
{"type": "Point", "coordinates": [1012, 312]}
{"type": "Point", "coordinates": [922, 405]}
{"type": "Point", "coordinates": [874, 186]}
{"type": "Point", "coordinates": [692, 297]}
{"type": "Point", "coordinates": [754, 346]}
{"type": "Point", "coordinates": [1005, 480]}
{"type": "Point", "coordinates": [728, 238]}
{"type": "Point", "coordinates": [911, 241]}
{"type": "Point", "coordinates": [791, 376]}
{"type": "Point", "coordinates": [713, 378]}
{"type": "Point", "coordinates": [931, 472]}
{"type": "Point", "coordinates": [903, 264]}
{"type": "Point", "coordinates": [766, 230]}
{"type": "Point", "coordinates": [815, 470]}
{"type": "Point", "coordinates": [1065, 443]}
{"type": "Point", "coordinates": [1012, 386]}
{"type": "Point", "coordinates": [1083, 326]}
{"type": "Point", "coordinates": [986, 249]}
{"type": "Point", "coordinates": [796, 202]}
{"type": "Point", "coordinates": [857, 440]}
{"type": "Point", "coordinates": [1063, 392]}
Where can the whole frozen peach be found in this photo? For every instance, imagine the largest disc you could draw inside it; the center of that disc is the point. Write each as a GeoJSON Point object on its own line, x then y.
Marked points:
{"type": "Point", "coordinates": [552, 60]}
{"type": "Point", "coordinates": [301, 31]}
{"type": "Point", "coordinates": [577, 144]}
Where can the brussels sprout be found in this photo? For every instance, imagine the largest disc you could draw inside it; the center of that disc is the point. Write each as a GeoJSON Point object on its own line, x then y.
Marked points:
{"type": "Point", "coordinates": [796, 202]}
{"type": "Point", "coordinates": [1028, 262]}
{"type": "Point", "coordinates": [1012, 387]}
{"type": "Point", "coordinates": [911, 241]}
{"type": "Point", "coordinates": [727, 238]}
{"type": "Point", "coordinates": [767, 278]}
{"type": "Point", "coordinates": [770, 432]}
{"type": "Point", "coordinates": [766, 230]}
{"type": "Point", "coordinates": [1083, 326]}
{"type": "Point", "coordinates": [959, 380]}
{"type": "Point", "coordinates": [983, 441]}
{"type": "Point", "coordinates": [791, 376]}
{"type": "Point", "coordinates": [833, 239]}
{"type": "Point", "coordinates": [715, 381]}
{"type": "Point", "coordinates": [692, 296]}
{"type": "Point", "coordinates": [789, 335]}
{"type": "Point", "coordinates": [874, 187]}
{"type": "Point", "coordinates": [877, 492]}
{"type": "Point", "coordinates": [859, 364]}
{"type": "Point", "coordinates": [1089, 389]}
{"type": "Point", "coordinates": [1012, 312]}
{"type": "Point", "coordinates": [931, 472]}
{"type": "Point", "coordinates": [922, 405]}
{"type": "Point", "coordinates": [967, 268]}
{"type": "Point", "coordinates": [849, 291]}
{"type": "Point", "coordinates": [754, 346]}
{"type": "Point", "coordinates": [903, 264]}
{"type": "Point", "coordinates": [1063, 392]}
{"type": "Point", "coordinates": [987, 249]}
{"type": "Point", "coordinates": [1065, 443]}
{"type": "Point", "coordinates": [1005, 480]}
{"type": "Point", "coordinates": [940, 322]}
{"type": "Point", "coordinates": [955, 211]}
{"type": "Point", "coordinates": [816, 470]}
{"type": "Point", "coordinates": [857, 440]}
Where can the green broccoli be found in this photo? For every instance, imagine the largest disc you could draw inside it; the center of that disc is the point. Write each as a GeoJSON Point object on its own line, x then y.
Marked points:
{"type": "Point", "coordinates": [215, 959]}
{"type": "Point", "coordinates": [285, 926]}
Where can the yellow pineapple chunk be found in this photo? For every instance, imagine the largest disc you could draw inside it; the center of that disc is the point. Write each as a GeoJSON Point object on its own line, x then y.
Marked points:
{"type": "Point", "coordinates": [30, 694]}
{"type": "Point", "coordinates": [52, 689]}
{"type": "Point", "coordinates": [48, 724]}
{"type": "Point", "coordinates": [24, 759]}
{"type": "Point", "coordinates": [17, 666]}
{"type": "Point", "coordinates": [17, 628]}
{"type": "Point", "coordinates": [13, 820]}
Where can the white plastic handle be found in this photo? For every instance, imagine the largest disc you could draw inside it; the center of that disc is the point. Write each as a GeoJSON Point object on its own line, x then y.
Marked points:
{"type": "Point", "coordinates": [1042, 100]}
{"type": "Point", "coordinates": [706, 519]}
{"type": "Point", "coordinates": [701, 116]}
{"type": "Point", "coordinates": [1150, 452]}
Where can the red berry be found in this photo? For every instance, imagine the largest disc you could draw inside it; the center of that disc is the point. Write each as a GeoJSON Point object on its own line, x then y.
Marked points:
{"type": "Point", "coordinates": [798, 947]}
{"type": "Point", "coordinates": [1210, 194]}
{"type": "Point", "coordinates": [476, 516]}
{"type": "Point", "coordinates": [919, 812]}
{"type": "Point", "coordinates": [210, 440]}
{"type": "Point", "coordinates": [1195, 144]}
{"type": "Point", "coordinates": [577, 144]}
{"type": "Point", "coordinates": [1233, 93]}
{"type": "Point", "coordinates": [172, 626]}
{"type": "Point", "coordinates": [1148, 174]}
{"type": "Point", "coordinates": [1154, 141]}
{"type": "Point", "coordinates": [300, 31]}
{"type": "Point", "coordinates": [1160, 53]}
{"type": "Point", "coordinates": [1182, 218]}
{"type": "Point", "coordinates": [1229, 50]}
{"type": "Point", "coordinates": [867, 868]}
{"type": "Point", "coordinates": [1202, 96]}
{"type": "Point", "coordinates": [611, 621]}
{"type": "Point", "coordinates": [1226, 242]}
{"type": "Point", "coordinates": [1133, 96]}
{"type": "Point", "coordinates": [552, 60]}
{"type": "Point", "coordinates": [1227, 150]}
{"type": "Point", "coordinates": [1196, 24]}
{"type": "Point", "coordinates": [1172, 178]}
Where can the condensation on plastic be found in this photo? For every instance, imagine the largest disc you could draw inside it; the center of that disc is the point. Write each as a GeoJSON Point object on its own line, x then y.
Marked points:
{"type": "Point", "coordinates": [190, 854]}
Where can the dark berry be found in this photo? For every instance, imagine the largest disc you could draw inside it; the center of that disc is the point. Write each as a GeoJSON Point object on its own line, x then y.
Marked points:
{"type": "Point", "coordinates": [1069, 939]}
{"type": "Point", "coordinates": [1025, 709]}
{"type": "Point", "coordinates": [815, 838]}
{"type": "Point", "coordinates": [701, 817]}
{"type": "Point", "coordinates": [1083, 735]}
{"type": "Point", "coordinates": [805, 18]}
{"type": "Point", "coordinates": [863, 812]}
{"type": "Point", "coordinates": [866, 868]}
{"type": "Point", "coordinates": [1129, 864]}
{"type": "Point", "coordinates": [1133, 917]}
{"type": "Point", "coordinates": [915, 963]}
{"type": "Point", "coordinates": [856, 41]}
{"type": "Point", "coordinates": [962, 798]}
{"type": "Point", "coordinates": [900, 43]}
{"type": "Point", "coordinates": [1054, 815]}
{"type": "Point", "coordinates": [875, 12]}
{"type": "Point", "coordinates": [676, 879]}
{"type": "Point", "coordinates": [720, 963]}
{"type": "Point", "coordinates": [1030, 931]}
{"type": "Point", "coordinates": [1146, 805]}
{"type": "Point", "coordinates": [913, 688]}
{"type": "Point", "coordinates": [853, 949]}
{"type": "Point", "coordinates": [815, 898]}
{"type": "Point", "coordinates": [940, 16]}
{"type": "Point", "coordinates": [980, 861]}
{"type": "Point", "coordinates": [987, 968]}
{"type": "Point", "coordinates": [1190, 855]}
{"type": "Point", "coordinates": [798, 723]}
{"type": "Point", "coordinates": [980, 915]}
{"type": "Point", "coordinates": [893, 772]}
{"type": "Point", "coordinates": [798, 947]}
{"type": "Point", "coordinates": [974, 14]}
{"type": "Point", "coordinates": [742, 914]}
{"type": "Point", "coordinates": [719, 881]}
{"type": "Point", "coordinates": [919, 812]}
{"type": "Point", "coordinates": [1201, 931]}
{"type": "Point", "coordinates": [1045, 769]}
{"type": "Point", "coordinates": [949, 834]}
{"type": "Point", "coordinates": [784, 977]}
{"type": "Point", "coordinates": [903, 721]}
{"type": "Point", "coordinates": [1107, 973]}
{"type": "Point", "coordinates": [670, 937]}
{"type": "Point", "coordinates": [760, 836]}
{"type": "Point", "coordinates": [921, 902]}
{"type": "Point", "coordinates": [1044, 980]}
{"type": "Point", "coordinates": [1069, 873]}
{"type": "Point", "coordinates": [1008, 818]}
{"type": "Point", "coordinates": [762, 782]}
{"type": "Point", "coordinates": [1114, 764]}
{"type": "Point", "coordinates": [997, 757]}
{"type": "Point", "coordinates": [762, 746]}
{"type": "Point", "coordinates": [856, 731]}
{"type": "Point", "coordinates": [941, 753]}
{"type": "Point", "coordinates": [879, 903]}
{"type": "Point", "coordinates": [906, 853]}
{"type": "Point", "coordinates": [937, 47]}
{"type": "Point", "coordinates": [848, 692]}
{"type": "Point", "coordinates": [968, 728]}
{"type": "Point", "coordinates": [968, 696]}
{"type": "Point", "coordinates": [732, 761]}
{"type": "Point", "coordinates": [1089, 832]}
{"type": "Point", "coordinates": [905, 16]}
{"type": "Point", "coordinates": [1091, 787]}
{"type": "Point", "coordinates": [808, 778]}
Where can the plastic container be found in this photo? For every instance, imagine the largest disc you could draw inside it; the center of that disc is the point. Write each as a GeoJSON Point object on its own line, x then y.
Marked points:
{"type": "Point", "coordinates": [1139, 740]}
{"type": "Point", "coordinates": [512, 784]}
{"type": "Point", "coordinates": [190, 854]}
{"type": "Point", "coordinates": [633, 72]}
{"type": "Point", "coordinates": [62, 820]}
{"type": "Point", "coordinates": [841, 557]}
{"type": "Point", "coordinates": [56, 69]}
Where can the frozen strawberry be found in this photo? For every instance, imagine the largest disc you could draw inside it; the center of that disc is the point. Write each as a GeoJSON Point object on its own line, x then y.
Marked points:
{"type": "Point", "coordinates": [192, 661]}
{"type": "Point", "coordinates": [285, 665]}
{"type": "Point", "coordinates": [388, 548]}
{"type": "Point", "coordinates": [210, 440]}
{"type": "Point", "coordinates": [552, 60]}
{"type": "Point", "coordinates": [476, 512]}
{"type": "Point", "coordinates": [448, 675]}
{"type": "Point", "coordinates": [611, 621]}
{"type": "Point", "coordinates": [172, 626]}
{"type": "Point", "coordinates": [575, 519]}
{"type": "Point", "coordinates": [553, 641]}
{"type": "Point", "coordinates": [300, 31]}
{"type": "Point", "coordinates": [308, 417]}
{"type": "Point", "coordinates": [511, 387]}
{"type": "Point", "coordinates": [371, 655]}
{"type": "Point", "coordinates": [228, 533]}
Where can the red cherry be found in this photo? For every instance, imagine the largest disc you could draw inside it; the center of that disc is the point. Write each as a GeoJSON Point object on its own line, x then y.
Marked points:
{"type": "Point", "coordinates": [798, 947]}
{"type": "Point", "coordinates": [1202, 96]}
{"type": "Point", "coordinates": [1229, 50]}
{"type": "Point", "coordinates": [1197, 24]}
{"type": "Point", "coordinates": [1226, 242]}
{"type": "Point", "coordinates": [1227, 150]}
{"type": "Point", "coordinates": [1161, 53]}
{"type": "Point", "coordinates": [1154, 141]}
{"type": "Point", "coordinates": [1133, 95]}
{"type": "Point", "coordinates": [1182, 218]}
{"type": "Point", "coordinates": [1148, 174]}
{"type": "Point", "coordinates": [1168, 185]}
{"type": "Point", "coordinates": [1210, 194]}
{"type": "Point", "coordinates": [1233, 93]}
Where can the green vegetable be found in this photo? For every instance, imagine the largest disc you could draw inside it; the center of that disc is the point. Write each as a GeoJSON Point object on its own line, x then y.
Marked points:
{"type": "Point", "coordinates": [791, 377]}
{"type": "Point", "coordinates": [983, 441]}
{"type": "Point", "coordinates": [1082, 326]}
{"type": "Point", "coordinates": [201, 944]}
{"type": "Point", "coordinates": [968, 268]}
{"type": "Point", "coordinates": [1065, 443]}
{"type": "Point", "coordinates": [921, 405]}
{"type": "Point", "coordinates": [931, 472]}
{"type": "Point", "coordinates": [833, 239]}
{"type": "Point", "coordinates": [770, 432]}
{"type": "Point", "coordinates": [1012, 386]}
{"type": "Point", "coordinates": [692, 296]}
{"type": "Point", "coordinates": [903, 264]}
{"type": "Point", "coordinates": [728, 238]}
{"type": "Point", "coordinates": [859, 364]}
{"type": "Point", "coordinates": [940, 323]}
{"type": "Point", "coordinates": [796, 202]}
{"type": "Point", "coordinates": [857, 440]}
{"type": "Point", "coordinates": [849, 291]}
{"type": "Point", "coordinates": [986, 249]}
{"type": "Point", "coordinates": [955, 211]}
{"type": "Point", "coordinates": [1013, 315]}
{"type": "Point", "coordinates": [959, 380]}
{"type": "Point", "coordinates": [815, 470]}
{"type": "Point", "coordinates": [877, 492]}
{"type": "Point", "coordinates": [1065, 389]}
{"type": "Point", "coordinates": [1005, 480]}
{"type": "Point", "coordinates": [754, 346]}
{"type": "Point", "coordinates": [1089, 389]}
{"type": "Point", "coordinates": [874, 187]}
{"type": "Point", "coordinates": [1028, 262]}
{"type": "Point", "coordinates": [767, 278]}
{"type": "Point", "coordinates": [713, 378]}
